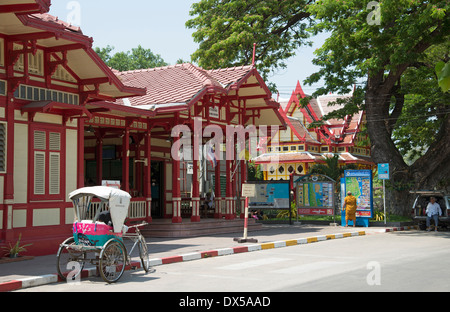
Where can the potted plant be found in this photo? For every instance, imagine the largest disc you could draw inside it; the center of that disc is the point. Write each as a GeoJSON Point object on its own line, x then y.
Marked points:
{"type": "Point", "coordinates": [15, 249]}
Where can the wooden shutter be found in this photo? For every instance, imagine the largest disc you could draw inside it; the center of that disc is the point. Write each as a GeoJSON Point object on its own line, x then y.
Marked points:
{"type": "Point", "coordinates": [39, 173]}
{"type": "Point", "coordinates": [55, 141]}
{"type": "Point", "coordinates": [54, 162]}
{"type": "Point", "coordinates": [54, 173]}
{"type": "Point", "coordinates": [40, 142]}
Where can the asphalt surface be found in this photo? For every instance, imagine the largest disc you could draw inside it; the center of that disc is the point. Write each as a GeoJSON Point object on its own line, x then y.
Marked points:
{"type": "Point", "coordinates": [42, 270]}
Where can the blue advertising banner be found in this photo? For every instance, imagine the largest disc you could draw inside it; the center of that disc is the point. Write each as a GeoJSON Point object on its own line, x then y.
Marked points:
{"type": "Point", "coordinates": [359, 182]}
{"type": "Point", "coordinates": [383, 171]}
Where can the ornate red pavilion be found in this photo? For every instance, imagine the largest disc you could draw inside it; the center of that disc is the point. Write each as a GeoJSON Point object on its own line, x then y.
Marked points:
{"type": "Point", "coordinates": [297, 148]}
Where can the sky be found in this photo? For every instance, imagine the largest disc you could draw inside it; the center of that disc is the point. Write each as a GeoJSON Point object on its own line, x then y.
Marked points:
{"type": "Point", "coordinates": [160, 26]}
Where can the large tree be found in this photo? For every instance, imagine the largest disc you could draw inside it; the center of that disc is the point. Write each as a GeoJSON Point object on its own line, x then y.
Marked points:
{"type": "Point", "coordinates": [227, 29]}
{"type": "Point", "coordinates": [387, 48]}
{"type": "Point", "coordinates": [392, 59]}
{"type": "Point", "coordinates": [137, 58]}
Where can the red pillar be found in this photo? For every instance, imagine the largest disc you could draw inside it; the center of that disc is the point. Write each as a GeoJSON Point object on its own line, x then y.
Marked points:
{"type": "Point", "coordinates": [7, 229]}
{"type": "Point", "coordinates": [148, 175]}
{"type": "Point", "coordinates": [80, 160]}
{"type": "Point", "coordinates": [99, 160]}
{"type": "Point", "coordinates": [195, 194]}
{"type": "Point", "coordinates": [126, 161]}
{"type": "Point", "coordinates": [229, 191]}
{"type": "Point", "coordinates": [176, 193]}
{"type": "Point", "coordinates": [243, 181]}
{"type": "Point", "coordinates": [217, 193]}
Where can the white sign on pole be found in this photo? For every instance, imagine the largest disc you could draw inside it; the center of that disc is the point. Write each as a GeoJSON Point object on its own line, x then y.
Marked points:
{"type": "Point", "coordinates": [248, 190]}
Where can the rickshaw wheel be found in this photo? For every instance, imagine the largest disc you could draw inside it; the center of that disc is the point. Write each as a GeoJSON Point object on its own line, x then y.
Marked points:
{"type": "Point", "coordinates": [112, 261]}
{"type": "Point", "coordinates": [143, 254]}
{"type": "Point", "coordinates": [65, 256]}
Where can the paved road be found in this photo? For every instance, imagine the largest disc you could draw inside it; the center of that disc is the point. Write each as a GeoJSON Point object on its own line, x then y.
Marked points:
{"type": "Point", "coordinates": [398, 261]}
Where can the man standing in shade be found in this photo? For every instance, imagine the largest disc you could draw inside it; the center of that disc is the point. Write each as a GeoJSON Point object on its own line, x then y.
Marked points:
{"type": "Point", "coordinates": [433, 211]}
{"type": "Point", "coordinates": [350, 209]}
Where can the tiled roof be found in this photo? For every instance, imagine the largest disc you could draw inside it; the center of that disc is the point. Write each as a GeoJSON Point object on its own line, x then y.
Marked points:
{"type": "Point", "coordinates": [296, 157]}
{"type": "Point", "coordinates": [286, 158]}
{"type": "Point", "coordinates": [300, 130]}
{"type": "Point", "coordinates": [181, 83]}
{"type": "Point", "coordinates": [53, 19]}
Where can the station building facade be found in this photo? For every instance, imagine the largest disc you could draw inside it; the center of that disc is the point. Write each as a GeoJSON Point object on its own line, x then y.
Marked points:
{"type": "Point", "coordinates": [67, 120]}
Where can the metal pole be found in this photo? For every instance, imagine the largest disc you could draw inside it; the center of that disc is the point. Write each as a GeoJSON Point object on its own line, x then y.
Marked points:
{"type": "Point", "coordinates": [246, 219]}
{"type": "Point", "coordinates": [384, 202]}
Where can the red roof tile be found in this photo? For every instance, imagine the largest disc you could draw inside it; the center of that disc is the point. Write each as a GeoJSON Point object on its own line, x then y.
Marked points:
{"type": "Point", "coordinates": [53, 19]}
{"type": "Point", "coordinates": [181, 83]}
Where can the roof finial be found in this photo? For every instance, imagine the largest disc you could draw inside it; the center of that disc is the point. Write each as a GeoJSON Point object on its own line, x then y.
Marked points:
{"type": "Point", "coordinates": [254, 54]}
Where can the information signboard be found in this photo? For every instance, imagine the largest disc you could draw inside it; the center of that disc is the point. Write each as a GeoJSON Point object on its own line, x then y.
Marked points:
{"type": "Point", "coordinates": [383, 171]}
{"type": "Point", "coordinates": [314, 195]}
{"type": "Point", "coordinates": [315, 198]}
{"type": "Point", "coordinates": [270, 195]}
{"type": "Point", "coordinates": [359, 182]}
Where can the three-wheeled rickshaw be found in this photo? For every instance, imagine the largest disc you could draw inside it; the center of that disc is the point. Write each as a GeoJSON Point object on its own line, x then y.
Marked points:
{"type": "Point", "coordinates": [98, 234]}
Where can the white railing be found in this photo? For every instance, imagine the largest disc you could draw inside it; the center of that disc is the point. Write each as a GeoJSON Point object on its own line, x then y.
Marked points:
{"type": "Point", "coordinates": [138, 209]}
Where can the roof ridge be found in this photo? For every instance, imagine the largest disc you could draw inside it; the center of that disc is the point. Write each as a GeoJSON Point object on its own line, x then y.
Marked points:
{"type": "Point", "coordinates": [229, 68]}
{"type": "Point", "coordinates": [55, 19]}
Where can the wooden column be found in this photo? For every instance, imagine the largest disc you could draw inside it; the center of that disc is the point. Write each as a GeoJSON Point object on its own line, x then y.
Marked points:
{"type": "Point", "coordinates": [176, 193]}
{"type": "Point", "coordinates": [80, 158]}
{"type": "Point", "coordinates": [229, 191]}
{"type": "Point", "coordinates": [217, 193]}
{"type": "Point", "coordinates": [148, 175]}
{"type": "Point", "coordinates": [8, 198]}
{"type": "Point", "coordinates": [99, 159]}
{"type": "Point", "coordinates": [195, 194]}
{"type": "Point", "coordinates": [243, 181]}
{"type": "Point", "coordinates": [126, 161]}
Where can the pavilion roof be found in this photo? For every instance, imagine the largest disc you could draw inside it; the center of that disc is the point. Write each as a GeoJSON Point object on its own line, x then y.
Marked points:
{"type": "Point", "coordinates": [27, 20]}
{"type": "Point", "coordinates": [309, 157]}
{"type": "Point", "coordinates": [181, 83]}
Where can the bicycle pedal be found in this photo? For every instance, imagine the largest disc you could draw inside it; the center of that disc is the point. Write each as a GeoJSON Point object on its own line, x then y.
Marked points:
{"type": "Point", "coordinates": [134, 268]}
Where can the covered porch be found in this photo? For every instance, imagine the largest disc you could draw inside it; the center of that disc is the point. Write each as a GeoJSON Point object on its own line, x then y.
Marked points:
{"type": "Point", "coordinates": [158, 145]}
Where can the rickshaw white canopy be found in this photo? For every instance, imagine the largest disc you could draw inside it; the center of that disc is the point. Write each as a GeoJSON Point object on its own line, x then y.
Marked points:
{"type": "Point", "coordinates": [118, 200]}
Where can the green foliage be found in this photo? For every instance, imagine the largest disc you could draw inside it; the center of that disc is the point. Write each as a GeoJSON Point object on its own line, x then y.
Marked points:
{"type": "Point", "coordinates": [14, 250]}
{"type": "Point", "coordinates": [227, 29]}
{"type": "Point", "coordinates": [395, 60]}
{"type": "Point", "coordinates": [138, 58]}
{"type": "Point", "coordinates": [254, 172]}
{"type": "Point", "coordinates": [282, 214]}
{"type": "Point", "coordinates": [443, 73]}
{"type": "Point", "coordinates": [331, 168]}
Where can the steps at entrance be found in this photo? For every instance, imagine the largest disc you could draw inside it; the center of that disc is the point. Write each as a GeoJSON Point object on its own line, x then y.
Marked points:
{"type": "Point", "coordinates": [165, 228]}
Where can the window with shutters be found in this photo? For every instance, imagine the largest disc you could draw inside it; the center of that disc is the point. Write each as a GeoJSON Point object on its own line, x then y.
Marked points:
{"type": "Point", "coordinates": [2, 147]}
{"type": "Point", "coordinates": [47, 163]}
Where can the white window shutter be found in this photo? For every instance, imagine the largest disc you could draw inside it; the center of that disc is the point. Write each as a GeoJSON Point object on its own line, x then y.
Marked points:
{"type": "Point", "coordinates": [40, 142]}
{"type": "Point", "coordinates": [54, 176]}
{"type": "Point", "coordinates": [39, 173]}
{"type": "Point", "coordinates": [55, 141]}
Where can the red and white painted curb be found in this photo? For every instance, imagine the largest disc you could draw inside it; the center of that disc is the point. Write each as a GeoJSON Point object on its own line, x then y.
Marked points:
{"type": "Point", "coordinates": [54, 278]}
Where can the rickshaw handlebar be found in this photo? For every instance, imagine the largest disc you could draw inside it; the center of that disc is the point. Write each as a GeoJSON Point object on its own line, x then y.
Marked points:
{"type": "Point", "coordinates": [138, 225]}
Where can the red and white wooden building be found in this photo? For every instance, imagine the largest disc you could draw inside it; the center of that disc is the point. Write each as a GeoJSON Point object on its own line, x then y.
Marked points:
{"type": "Point", "coordinates": [67, 120]}
{"type": "Point", "coordinates": [176, 95]}
{"type": "Point", "coordinates": [48, 73]}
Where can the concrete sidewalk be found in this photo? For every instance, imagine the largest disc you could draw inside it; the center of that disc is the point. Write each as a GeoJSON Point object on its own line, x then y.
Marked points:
{"type": "Point", "coordinates": [42, 270]}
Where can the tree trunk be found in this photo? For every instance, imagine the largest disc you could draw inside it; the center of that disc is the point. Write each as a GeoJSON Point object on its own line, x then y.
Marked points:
{"type": "Point", "coordinates": [431, 171]}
